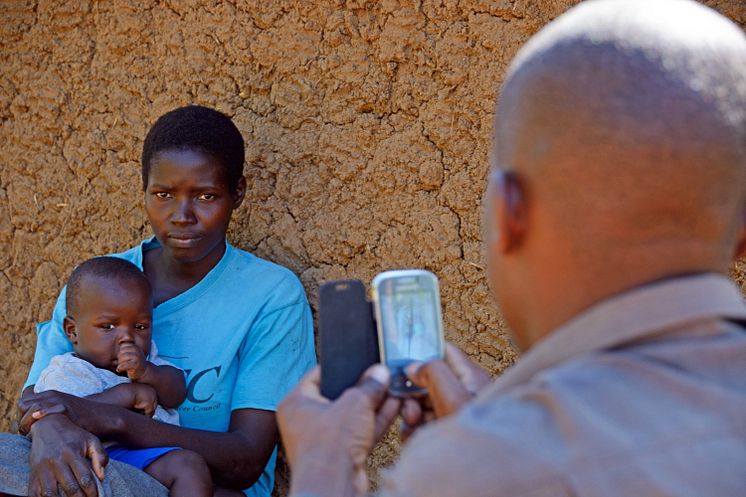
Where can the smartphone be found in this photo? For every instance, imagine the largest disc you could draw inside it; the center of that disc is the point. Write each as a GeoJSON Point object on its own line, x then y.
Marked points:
{"type": "Point", "coordinates": [348, 340]}
{"type": "Point", "coordinates": [409, 323]}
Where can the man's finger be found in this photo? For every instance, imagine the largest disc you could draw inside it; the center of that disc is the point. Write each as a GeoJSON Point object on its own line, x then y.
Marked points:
{"type": "Point", "coordinates": [471, 375]}
{"type": "Point", "coordinates": [413, 416]}
{"type": "Point", "coordinates": [421, 373]}
{"type": "Point", "coordinates": [372, 388]}
{"type": "Point", "coordinates": [311, 381]}
{"type": "Point", "coordinates": [411, 412]}
{"type": "Point", "coordinates": [360, 481]}
{"type": "Point", "coordinates": [406, 430]}
{"type": "Point", "coordinates": [310, 386]}
{"type": "Point", "coordinates": [374, 384]}
{"type": "Point", "coordinates": [385, 416]}
{"type": "Point", "coordinates": [446, 392]}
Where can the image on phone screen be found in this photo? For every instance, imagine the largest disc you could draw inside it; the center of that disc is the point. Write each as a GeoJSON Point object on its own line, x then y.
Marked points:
{"type": "Point", "coordinates": [410, 318]}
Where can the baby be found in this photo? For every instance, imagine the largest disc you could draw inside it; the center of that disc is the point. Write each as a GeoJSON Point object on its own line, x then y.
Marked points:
{"type": "Point", "coordinates": [108, 322]}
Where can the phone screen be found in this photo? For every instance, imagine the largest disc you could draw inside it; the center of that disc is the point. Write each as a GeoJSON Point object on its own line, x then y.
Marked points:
{"type": "Point", "coordinates": [410, 319]}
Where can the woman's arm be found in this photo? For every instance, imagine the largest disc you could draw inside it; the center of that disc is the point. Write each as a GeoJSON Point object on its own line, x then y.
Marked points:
{"type": "Point", "coordinates": [236, 458]}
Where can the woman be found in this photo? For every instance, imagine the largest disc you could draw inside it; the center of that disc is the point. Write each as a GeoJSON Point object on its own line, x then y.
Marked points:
{"type": "Point", "coordinates": [240, 327]}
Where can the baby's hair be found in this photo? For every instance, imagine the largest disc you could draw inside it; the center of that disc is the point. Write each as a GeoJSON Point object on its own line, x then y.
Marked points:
{"type": "Point", "coordinates": [111, 268]}
{"type": "Point", "coordinates": [201, 129]}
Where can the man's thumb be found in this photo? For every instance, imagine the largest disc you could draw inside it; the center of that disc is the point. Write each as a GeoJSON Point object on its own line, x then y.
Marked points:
{"type": "Point", "coordinates": [374, 383]}
{"type": "Point", "coordinates": [445, 390]}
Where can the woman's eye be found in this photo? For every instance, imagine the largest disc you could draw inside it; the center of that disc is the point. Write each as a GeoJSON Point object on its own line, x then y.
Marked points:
{"type": "Point", "coordinates": [207, 196]}
{"type": "Point", "coordinates": [162, 195]}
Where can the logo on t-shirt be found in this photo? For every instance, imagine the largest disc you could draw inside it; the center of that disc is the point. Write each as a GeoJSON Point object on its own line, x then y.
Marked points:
{"type": "Point", "coordinates": [193, 380]}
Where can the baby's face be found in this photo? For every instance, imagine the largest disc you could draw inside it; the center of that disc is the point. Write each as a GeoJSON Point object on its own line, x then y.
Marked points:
{"type": "Point", "coordinates": [111, 313]}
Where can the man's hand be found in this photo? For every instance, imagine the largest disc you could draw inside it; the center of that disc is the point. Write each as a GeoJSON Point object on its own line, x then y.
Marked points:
{"type": "Point", "coordinates": [131, 360]}
{"type": "Point", "coordinates": [450, 384]}
{"type": "Point", "coordinates": [327, 443]}
{"type": "Point", "coordinates": [65, 455]}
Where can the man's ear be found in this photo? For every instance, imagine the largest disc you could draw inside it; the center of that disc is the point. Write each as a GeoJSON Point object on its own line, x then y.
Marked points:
{"type": "Point", "coordinates": [508, 212]}
{"type": "Point", "coordinates": [71, 329]}
{"type": "Point", "coordinates": [240, 192]}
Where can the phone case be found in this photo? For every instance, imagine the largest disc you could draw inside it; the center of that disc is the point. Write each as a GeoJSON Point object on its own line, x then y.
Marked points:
{"type": "Point", "coordinates": [348, 338]}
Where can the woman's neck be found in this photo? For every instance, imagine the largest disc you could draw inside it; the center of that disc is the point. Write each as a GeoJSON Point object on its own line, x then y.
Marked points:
{"type": "Point", "coordinates": [170, 277]}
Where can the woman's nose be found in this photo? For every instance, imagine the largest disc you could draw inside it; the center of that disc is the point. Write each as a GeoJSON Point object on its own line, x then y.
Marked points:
{"type": "Point", "coordinates": [183, 213]}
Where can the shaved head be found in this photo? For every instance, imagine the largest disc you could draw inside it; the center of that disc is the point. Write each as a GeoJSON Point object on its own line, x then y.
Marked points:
{"type": "Point", "coordinates": [627, 118]}
{"type": "Point", "coordinates": [622, 126]}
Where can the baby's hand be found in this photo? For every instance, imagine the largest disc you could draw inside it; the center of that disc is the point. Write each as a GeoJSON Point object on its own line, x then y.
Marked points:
{"type": "Point", "coordinates": [131, 360]}
{"type": "Point", "coordinates": [145, 398]}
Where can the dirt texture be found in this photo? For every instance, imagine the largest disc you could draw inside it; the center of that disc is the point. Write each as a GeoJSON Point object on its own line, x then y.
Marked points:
{"type": "Point", "coordinates": [367, 126]}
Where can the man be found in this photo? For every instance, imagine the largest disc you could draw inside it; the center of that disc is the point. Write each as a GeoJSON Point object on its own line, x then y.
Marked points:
{"type": "Point", "coordinates": [616, 202]}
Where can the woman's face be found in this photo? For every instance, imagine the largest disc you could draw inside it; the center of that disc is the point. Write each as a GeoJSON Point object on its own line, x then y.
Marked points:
{"type": "Point", "coordinates": [189, 204]}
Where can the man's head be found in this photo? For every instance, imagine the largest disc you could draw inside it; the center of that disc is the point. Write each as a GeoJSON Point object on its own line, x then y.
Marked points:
{"type": "Point", "coordinates": [198, 129]}
{"type": "Point", "coordinates": [109, 303]}
{"type": "Point", "coordinates": [622, 126]}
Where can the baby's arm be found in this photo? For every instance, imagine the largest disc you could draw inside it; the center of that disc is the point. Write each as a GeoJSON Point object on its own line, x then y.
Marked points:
{"type": "Point", "coordinates": [168, 381]}
{"type": "Point", "coordinates": [138, 396]}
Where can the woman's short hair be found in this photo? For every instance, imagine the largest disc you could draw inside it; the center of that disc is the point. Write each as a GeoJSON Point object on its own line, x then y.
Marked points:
{"type": "Point", "coordinates": [201, 129]}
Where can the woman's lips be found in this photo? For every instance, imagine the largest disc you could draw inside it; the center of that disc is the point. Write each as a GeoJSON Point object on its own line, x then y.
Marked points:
{"type": "Point", "coordinates": [183, 241]}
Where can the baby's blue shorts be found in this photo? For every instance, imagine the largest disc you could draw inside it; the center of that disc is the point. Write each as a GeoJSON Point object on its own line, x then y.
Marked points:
{"type": "Point", "coordinates": [139, 458]}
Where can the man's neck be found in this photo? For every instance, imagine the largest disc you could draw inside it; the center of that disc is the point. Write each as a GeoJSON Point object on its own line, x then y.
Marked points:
{"type": "Point", "coordinates": [563, 295]}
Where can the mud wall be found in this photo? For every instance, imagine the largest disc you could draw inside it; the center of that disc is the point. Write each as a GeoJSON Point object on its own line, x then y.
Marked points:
{"type": "Point", "coordinates": [367, 126]}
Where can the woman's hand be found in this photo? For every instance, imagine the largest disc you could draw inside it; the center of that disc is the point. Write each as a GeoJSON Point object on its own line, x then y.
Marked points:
{"type": "Point", "coordinates": [64, 454]}
{"type": "Point", "coordinates": [450, 384]}
{"type": "Point", "coordinates": [34, 406]}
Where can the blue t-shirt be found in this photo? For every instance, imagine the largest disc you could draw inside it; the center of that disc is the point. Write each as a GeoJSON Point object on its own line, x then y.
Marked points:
{"type": "Point", "coordinates": [243, 335]}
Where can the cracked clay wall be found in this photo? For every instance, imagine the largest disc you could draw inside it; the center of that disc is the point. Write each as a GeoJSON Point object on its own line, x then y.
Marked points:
{"type": "Point", "coordinates": [367, 125]}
